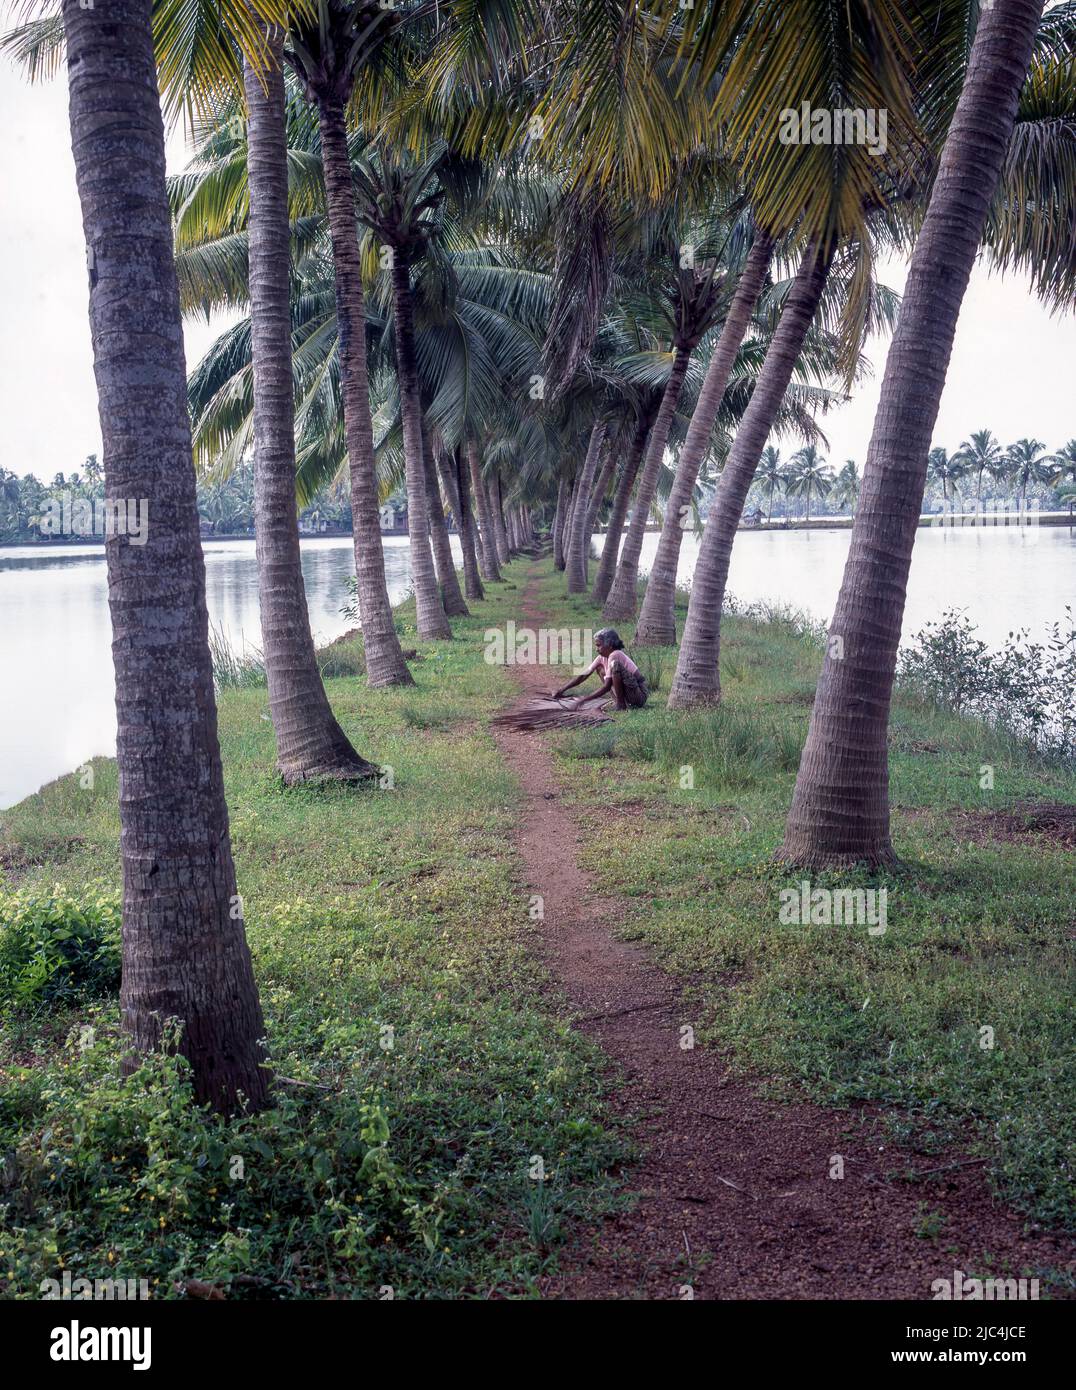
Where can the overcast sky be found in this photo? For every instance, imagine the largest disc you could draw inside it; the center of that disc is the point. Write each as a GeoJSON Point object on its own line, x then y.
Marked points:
{"type": "Point", "coordinates": [1012, 371]}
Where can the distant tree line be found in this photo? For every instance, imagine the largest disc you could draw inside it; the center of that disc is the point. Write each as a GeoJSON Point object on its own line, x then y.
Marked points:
{"type": "Point", "coordinates": [980, 470]}
{"type": "Point", "coordinates": [225, 505]}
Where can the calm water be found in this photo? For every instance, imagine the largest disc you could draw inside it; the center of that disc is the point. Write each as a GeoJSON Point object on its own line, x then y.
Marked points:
{"type": "Point", "coordinates": [56, 699]}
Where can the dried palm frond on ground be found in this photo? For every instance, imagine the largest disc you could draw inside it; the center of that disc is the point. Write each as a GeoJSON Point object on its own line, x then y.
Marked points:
{"type": "Point", "coordinates": [543, 712]}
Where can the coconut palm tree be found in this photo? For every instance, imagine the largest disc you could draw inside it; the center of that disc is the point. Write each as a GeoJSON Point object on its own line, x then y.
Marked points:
{"type": "Point", "coordinates": [696, 679]}
{"type": "Point", "coordinates": [185, 955]}
{"type": "Point", "coordinates": [773, 474]}
{"type": "Point", "coordinates": [1064, 462]}
{"type": "Point", "coordinates": [809, 472]}
{"type": "Point", "coordinates": [690, 300]}
{"type": "Point", "coordinates": [846, 486]}
{"type": "Point", "coordinates": [328, 50]}
{"type": "Point", "coordinates": [398, 200]}
{"type": "Point", "coordinates": [310, 741]}
{"type": "Point", "coordinates": [1027, 465]}
{"type": "Point", "coordinates": [981, 453]}
{"type": "Point", "coordinates": [945, 468]}
{"type": "Point", "coordinates": [657, 625]}
{"type": "Point", "coordinates": [840, 808]}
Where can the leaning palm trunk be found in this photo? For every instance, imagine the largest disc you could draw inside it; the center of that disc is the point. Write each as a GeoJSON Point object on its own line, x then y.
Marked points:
{"type": "Point", "coordinates": [185, 955]}
{"type": "Point", "coordinates": [621, 501]}
{"type": "Point", "coordinates": [840, 809]}
{"type": "Point", "coordinates": [496, 511]}
{"type": "Point", "coordinates": [454, 480]}
{"type": "Point", "coordinates": [430, 616]}
{"type": "Point", "coordinates": [487, 544]}
{"type": "Point", "coordinates": [696, 680]}
{"type": "Point", "coordinates": [578, 540]}
{"type": "Point", "coordinates": [624, 595]}
{"type": "Point", "coordinates": [566, 521]}
{"type": "Point", "coordinates": [310, 743]}
{"type": "Point", "coordinates": [447, 578]}
{"type": "Point", "coordinates": [385, 663]}
{"type": "Point", "coordinates": [657, 624]}
{"type": "Point", "coordinates": [558, 525]}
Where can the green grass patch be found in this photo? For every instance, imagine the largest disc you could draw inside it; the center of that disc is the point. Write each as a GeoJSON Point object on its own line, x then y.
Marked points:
{"type": "Point", "coordinates": [404, 1003]}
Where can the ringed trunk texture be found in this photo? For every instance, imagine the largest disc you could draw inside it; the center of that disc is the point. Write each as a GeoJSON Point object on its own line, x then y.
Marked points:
{"type": "Point", "coordinates": [624, 595]}
{"type": "Point", "coordinates": [185, 954]}
{"type": "Point", "coordinates": [657, 624]}
{"type": "Point", "coordinates": [454, 478]}
{"type": "Point", "coordinates": [487, 544]}
{"type": "Point", "coordinates": [385, 663]}
{"type": "Point", "coordinates": [310, 743]}
{"type": "Point", "coordinates": [578, 540]}
{"type": "Point", "coordinates": [696, 681]}
{"type": "Point", "coordinates": [447, 578]}
{"type": "Point", "coordinates": [621, 501]}
{"type": "Point", "coordinates": [431, 618]}
{"type": "Point", "coordinates": [840, 808]}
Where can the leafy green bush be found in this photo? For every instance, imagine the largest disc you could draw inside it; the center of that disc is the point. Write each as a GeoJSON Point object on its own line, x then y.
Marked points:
{"type": "Point", "coordinates": [1025, 689]}
{"type": "Point", "coordinates": [54, 948]}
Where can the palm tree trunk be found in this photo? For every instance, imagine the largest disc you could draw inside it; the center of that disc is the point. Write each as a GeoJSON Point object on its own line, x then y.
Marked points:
{"type": "Point", "coordinates": [657, 625]}
{"type": "Point", "coordinates": [431, 619]}
{"type": "Point", "coordinates": [840, 809]}
{"type": "Point", "coordinates": [696, 680]}
{"type": "Point", "coordinates": [385, 664]}
{"type": "Point", "coordinates": [624, 595]}
{"type": "Point", "coordinates": [578, 540]}
{"type": "Point", "coordinates": [310, 742]}
{"type": "Point", "coordinates": [566, 521]}
{"type": "Point", "coordinates": [496, 517]}
{"type": "Point", "coordinates": [447, 578]}
{"type": "Point", "coordinates": [621, 501]}
{"type": "Point", "coordinates": [454, 477]}
{"type": "Point", "coordinates": [185, 954]}
{"type": "Point", "coordinates": [496, 512]}
{"type": "Point", "coordinates": [558, 525]}
{"type": "Point", "coordinates": [487, 543]}
{"type": "Point", "coordinates": [597, 497]}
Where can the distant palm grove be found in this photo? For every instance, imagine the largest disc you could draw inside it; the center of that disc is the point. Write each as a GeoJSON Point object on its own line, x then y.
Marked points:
{"type": "Point", "coordinates": [979, 471]}
{"type": "Point", "coordinates": [540, 269]}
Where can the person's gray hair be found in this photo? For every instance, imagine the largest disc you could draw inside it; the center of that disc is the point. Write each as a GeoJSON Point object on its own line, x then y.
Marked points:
{"type": "Point", "coordinates": [609, 637]}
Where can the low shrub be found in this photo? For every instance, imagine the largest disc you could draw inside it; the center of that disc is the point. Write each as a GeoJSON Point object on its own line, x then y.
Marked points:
{"type": "Point", "coordinates": [56, 949]}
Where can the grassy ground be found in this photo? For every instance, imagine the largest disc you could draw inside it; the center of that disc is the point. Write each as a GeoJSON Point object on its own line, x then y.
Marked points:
{"type": "Point", "coordinates": [427, 1068]}
{"type": "Point", "coordinates": [980, 924]}
{"type": "Point", "coordinates": [366, 912]}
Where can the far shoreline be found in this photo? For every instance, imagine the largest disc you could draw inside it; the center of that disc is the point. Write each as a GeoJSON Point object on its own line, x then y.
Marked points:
{"type": "Point", "coordinates": [936, 520]}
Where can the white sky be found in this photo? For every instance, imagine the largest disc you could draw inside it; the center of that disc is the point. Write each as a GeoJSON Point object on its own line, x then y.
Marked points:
{"type": "Point", "coordinates": [1012, 369]}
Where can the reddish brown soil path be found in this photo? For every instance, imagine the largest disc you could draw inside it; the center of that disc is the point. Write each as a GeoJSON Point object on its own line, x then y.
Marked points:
{"type": "Point", "coordinates": [734, 1194]}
